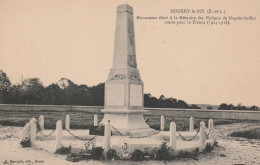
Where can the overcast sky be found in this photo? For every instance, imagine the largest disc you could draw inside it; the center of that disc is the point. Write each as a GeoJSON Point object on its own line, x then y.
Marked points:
{"type": "Point", "coordinates": [51, 39]}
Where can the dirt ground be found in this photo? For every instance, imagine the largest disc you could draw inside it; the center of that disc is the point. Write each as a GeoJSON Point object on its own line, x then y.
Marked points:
{"type": "Point", "coordinates": [230, 150]}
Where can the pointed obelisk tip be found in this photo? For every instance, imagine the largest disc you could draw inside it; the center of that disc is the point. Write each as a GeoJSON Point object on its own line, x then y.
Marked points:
{"type": "Point", "coordinates": [125, 8]}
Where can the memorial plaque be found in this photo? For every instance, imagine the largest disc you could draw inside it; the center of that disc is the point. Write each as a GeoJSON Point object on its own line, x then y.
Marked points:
{"type": "Point", "coordinates": [115, 94]}
{"type": "Point", "coordinates": [136, 95]}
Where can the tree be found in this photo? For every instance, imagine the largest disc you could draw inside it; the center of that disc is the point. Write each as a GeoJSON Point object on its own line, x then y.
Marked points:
{"type": "Point", "coordinates": [96, 95]}
{"type": "Point", "coordinates": [84, 93]}
{"type": "Point", "coordinates": [31, 91]}
{"type": "Point", "coordinates": [182, 104]}
{"type": "Point", "coordinates": [5, 86]}
{"type": "Point", "coordinates": [147, 100]}
{"type": "Point", "coordinates": [224, 106]}
{"type": "Point", "coordinates": [241, 107]}
{"type": "Point", "coordinates": [14, 94]}
{"type": "Point", "coordinates": [162, 98]}
{"type": "Point", "coordinates": [52, 94]}
{"type": "Point", "coordinates": [70, 93]}
{"type": "Point", "coordinates": [209, 107]}
{"type": "Point", "coordinates": [170, 102]}
{"type": "Point", "coordinates": [254, 108]}
{"type": "Point", "coordinates": [162, 102]}
{"type": "Point", "coordinates": [194, 106]}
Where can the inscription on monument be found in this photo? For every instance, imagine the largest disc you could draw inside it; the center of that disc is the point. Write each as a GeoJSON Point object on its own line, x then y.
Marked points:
{"type": "Point", "coordinates": [118, 77]}
{"type": "Point", "coordinates": [115, 94]}
{"type": "Point", "coordinates": [136, 95]}
{"type": "Point", "coordinates": [131, 32]}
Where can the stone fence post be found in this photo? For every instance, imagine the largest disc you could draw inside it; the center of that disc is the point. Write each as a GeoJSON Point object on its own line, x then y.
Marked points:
{"type": "Point", "coordinates": [33, 129]}
{"type": "Point", "coordinates": [58, 134]}
{"type": "Point", "coordinates": [162, 122]}
{"type": "Point", "coordinates": [173, 135]}
{"type": "Point", "coordinates": [211, 129]}
{"type": "Point", "coordinates": [67, 122]}
{"type": "Point", "coordinates": [41, 122]}
{"type": "Point", "coordinates": [95, 120]}
{"type": "Point", "coordinates": [107, 140]}
{"type": "Point", "coordinates": [191, 124]}
{"type": "Point", "coordinates": [202, 133]}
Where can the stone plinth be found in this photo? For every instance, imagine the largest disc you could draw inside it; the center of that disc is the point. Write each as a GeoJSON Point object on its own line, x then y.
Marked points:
{"type": "Point", "coordinates": [128, 122]}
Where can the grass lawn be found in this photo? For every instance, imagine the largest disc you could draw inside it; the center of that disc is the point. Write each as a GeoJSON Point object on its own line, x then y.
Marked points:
{"type": "Point", "coordinates": [84, 119]}
{"type": "Point", "coordinates": [250, 134]}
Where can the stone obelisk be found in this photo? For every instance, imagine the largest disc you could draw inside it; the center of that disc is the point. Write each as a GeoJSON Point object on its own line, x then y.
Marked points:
{"type": "Point", "coordinates": [124, 88]}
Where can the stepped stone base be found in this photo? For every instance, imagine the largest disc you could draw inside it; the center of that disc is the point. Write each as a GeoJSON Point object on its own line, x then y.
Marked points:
{"type": "Point", "coordinates": [127, 122]}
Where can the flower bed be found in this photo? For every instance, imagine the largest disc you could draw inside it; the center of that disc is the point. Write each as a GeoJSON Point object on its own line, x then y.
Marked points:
{"type": "Point", "coordinates": [26, 141]}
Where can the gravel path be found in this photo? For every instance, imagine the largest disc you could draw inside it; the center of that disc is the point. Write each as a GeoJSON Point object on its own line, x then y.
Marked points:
{"type": "Point", "coordinates": [230, 150]}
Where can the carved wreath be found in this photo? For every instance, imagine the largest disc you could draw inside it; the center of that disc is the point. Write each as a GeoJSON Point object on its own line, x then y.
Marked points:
{"type": "Point", "coordinates": [118, 77]}
{"type": "Point", "coordinates": [135, 77]}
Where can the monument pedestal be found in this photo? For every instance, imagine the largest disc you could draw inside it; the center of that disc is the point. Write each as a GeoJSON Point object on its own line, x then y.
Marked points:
{"type": "Point", "coordinates": [127, 122]}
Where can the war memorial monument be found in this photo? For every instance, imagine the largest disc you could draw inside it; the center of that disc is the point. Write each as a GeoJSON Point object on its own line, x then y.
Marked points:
{"type": "Point", "coordinates": [76, 121]}
{"type": "Point", "coordinates": [125, 129]}
{"type": "Point", "coordinates": [124, 87]}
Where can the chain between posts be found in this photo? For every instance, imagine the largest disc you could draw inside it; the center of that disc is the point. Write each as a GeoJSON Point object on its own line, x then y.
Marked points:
{"type": "Point", "coordinates": [207, 134]}
{"type": "Point", "coordinates": [45, 134]}
{"type": "Point", "coordinates": [135, 137]}
{"type": "Point", "coordinates": [83, 139]}
{"type": "Point", "coordinates": [117, 130]}
{"type": "Point", "coordinates": [185, 139]}
{"type": "Point", "coordinates": [131, 137]}
{"type": "Point", "coordinates": [145, 136]}
{"type": "Point", "coordinates": [39, 130]}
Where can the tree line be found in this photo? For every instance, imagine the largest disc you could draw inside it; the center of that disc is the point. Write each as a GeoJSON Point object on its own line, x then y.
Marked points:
{"type": "Point", "coordinates": [65, 92]}
{"type": "Point", "coordinates": [225, 106]}
{"type": "Point", "coordinates": [163, 102]}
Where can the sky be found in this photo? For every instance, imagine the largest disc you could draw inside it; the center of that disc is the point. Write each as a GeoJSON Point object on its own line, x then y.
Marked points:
{"type": "Point", "coordinates": [200, 64]}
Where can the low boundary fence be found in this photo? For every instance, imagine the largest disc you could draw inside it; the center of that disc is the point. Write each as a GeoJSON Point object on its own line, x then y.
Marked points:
{"type": "Point", "coordinates": [202, 132]}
